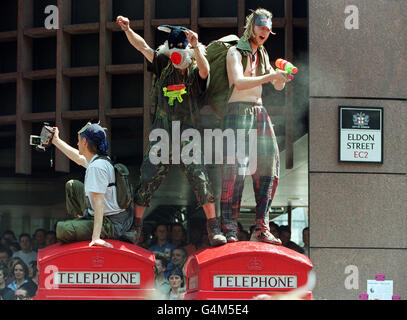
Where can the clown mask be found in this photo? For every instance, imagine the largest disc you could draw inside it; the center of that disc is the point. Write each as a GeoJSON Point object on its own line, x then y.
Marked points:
{"type": "Point", "coordinates": [177, 47]}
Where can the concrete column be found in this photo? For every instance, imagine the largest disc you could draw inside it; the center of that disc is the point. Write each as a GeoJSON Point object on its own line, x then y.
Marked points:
{"type": "Point", "coordinates": [357, 211]}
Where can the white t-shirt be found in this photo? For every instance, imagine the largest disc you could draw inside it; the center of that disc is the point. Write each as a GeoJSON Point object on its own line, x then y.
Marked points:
{"type": "Point", "coordinates": [99, 174]}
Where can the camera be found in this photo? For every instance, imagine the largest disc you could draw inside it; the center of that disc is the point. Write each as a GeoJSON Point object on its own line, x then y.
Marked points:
{"type": "Point", "coordinates": [44, 140]}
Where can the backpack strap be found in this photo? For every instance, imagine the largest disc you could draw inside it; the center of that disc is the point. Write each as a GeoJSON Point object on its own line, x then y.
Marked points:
{"type": "Point", "coordinates": [107, 158]}
{"type": "Point", "coordinates": [244, 64]}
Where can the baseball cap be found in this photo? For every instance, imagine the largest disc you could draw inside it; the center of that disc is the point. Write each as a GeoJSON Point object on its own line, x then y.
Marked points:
{"type": "Point", "coordinates": [95, 134]}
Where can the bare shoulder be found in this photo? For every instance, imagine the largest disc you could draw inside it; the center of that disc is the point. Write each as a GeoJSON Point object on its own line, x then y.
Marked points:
{"type": "Point", "coordinates": [233, 52]}
{"type": "Point", "coordinates": [234, 57]}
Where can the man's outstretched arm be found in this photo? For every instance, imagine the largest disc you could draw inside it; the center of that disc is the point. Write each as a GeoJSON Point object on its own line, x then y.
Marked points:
{"type": "Point", "coordinates": [136, 40]}
{"type": "Point", "coordinates": [201, 61]}
{"type": "Point", "coordinates": [67, 150]}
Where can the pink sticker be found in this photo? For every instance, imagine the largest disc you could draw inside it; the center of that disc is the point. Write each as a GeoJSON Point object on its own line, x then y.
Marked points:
{"type": "Point", "coordinates": [380, 277]}
{"type": "Point", "coordinates": [363, 296]}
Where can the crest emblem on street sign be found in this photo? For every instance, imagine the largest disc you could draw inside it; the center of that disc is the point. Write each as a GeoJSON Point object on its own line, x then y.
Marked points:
{"type": "Point", "coordinates": [360, 120]}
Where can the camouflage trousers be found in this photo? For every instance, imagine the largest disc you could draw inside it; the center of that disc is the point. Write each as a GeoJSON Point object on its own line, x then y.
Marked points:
{"type": "Point", "coordinates": [81, 228]}
{"type": "Point", "coordinates": [75, 198]}
{"type": "Point", "coordinates": [152, 175]}
{"type": "Point", "coordinates": [246, 116]}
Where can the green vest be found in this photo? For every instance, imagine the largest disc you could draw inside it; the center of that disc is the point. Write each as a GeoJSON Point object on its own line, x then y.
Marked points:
{"type": "Point", "coordinates": [245, 49]}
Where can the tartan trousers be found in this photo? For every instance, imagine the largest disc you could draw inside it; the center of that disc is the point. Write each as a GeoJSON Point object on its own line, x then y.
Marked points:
{"type": "Point", "coordinates": [246, 116]}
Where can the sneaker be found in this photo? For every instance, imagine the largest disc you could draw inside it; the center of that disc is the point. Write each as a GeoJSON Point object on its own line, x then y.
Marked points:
{"type": "Point", "coordinates": [215, 236]}
{"type": "Point", "coordinates": [130, 236]}
{"type": "Point", "coordinates": [265, 236]}
{"type": "Point", "coordinates": [230, 230]}
{"type": "Point", "coordinates": [231, 237]}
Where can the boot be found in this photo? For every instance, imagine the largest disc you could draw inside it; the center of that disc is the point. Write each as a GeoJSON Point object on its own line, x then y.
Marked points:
{"type": "Point", "coordinates": [230, 230]}
{"type": "Point", "coordinates": [262, 233]}
{"type": "Point", "coordinates": [134, 235]}
{"type": "Point", "coordinates": [215, 236]}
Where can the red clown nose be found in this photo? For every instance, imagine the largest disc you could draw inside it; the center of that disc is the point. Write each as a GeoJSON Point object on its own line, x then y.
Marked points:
{"type": "Point", "coordinates": [176, 58]}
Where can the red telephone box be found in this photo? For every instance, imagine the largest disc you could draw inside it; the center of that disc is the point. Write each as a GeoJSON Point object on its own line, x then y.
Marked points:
{"type": "Point", "coordinates": [78, 272]}
{"type": "Point", "coordinates": [245, 269]}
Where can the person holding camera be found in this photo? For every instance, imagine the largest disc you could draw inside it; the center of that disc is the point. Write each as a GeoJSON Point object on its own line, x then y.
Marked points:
{"type": "Point", "coordinates": [93, 202]}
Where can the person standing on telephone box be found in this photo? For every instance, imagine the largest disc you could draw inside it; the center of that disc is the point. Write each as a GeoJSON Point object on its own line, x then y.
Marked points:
{"type": "Point", "coordinates": [181, 77]}
{"type": "Point", "coordinates": [245, 111]}
{"type": "Point", "coordinates": [94, 202]}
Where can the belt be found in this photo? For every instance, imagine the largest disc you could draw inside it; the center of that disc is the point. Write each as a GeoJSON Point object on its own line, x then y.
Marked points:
{"type": "Point", "coordinates": [253, 104]}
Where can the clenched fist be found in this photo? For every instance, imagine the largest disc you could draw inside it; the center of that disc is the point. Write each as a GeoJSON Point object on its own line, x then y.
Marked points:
{"type": "Point", "coordinates": [123, 22]}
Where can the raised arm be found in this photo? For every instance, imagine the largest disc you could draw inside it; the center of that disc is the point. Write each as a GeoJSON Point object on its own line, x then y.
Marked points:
{"type": "Point", "coordinates": [136, 40]}
{"type": "Point", "coordinates": [70, 152]}
{"type": "Point", "coordinates": [201, 61]}
{"type": "Point", "coordinates": [240, 81]}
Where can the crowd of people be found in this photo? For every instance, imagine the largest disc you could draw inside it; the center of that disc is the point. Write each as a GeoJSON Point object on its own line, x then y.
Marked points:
{"type": "Point", "coordinates": [169, 243]}
{"type": "Point", "coordinates": [18, 263]}
{"type": "Point", "coordinates": [171, 251]}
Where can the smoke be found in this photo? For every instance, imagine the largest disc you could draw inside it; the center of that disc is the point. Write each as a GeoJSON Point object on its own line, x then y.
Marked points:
{"type": "Point", "coordinates": [301, 88]}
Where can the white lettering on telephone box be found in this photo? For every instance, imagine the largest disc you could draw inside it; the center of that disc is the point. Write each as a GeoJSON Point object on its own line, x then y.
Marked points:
{"type": "Point", "coordinates": [73, 278]}
{"type": "Point", "coordinates": [255, 281]}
